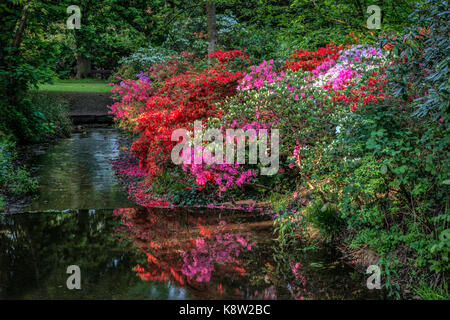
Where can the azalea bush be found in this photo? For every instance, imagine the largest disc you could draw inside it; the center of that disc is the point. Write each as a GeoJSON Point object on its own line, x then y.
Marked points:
{"type": "Point", "coordinates": [172, 96]}
{"type": "Point", "coordinates": [177, 104]}
{"type": "Point", "coordinates": [355, 160]}
{"type": "Point", "coordinates": [301, 103]}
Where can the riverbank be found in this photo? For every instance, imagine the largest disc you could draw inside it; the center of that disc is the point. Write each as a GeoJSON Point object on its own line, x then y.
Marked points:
{"type": "Point", "coordinates": [50, 124]}
{"type": "Point", "coordinates": [61, 113]}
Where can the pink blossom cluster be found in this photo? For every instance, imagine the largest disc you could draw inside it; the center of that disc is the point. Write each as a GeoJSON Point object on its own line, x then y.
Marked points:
{"type": "Point", "coordinates": [323, 68]}
{"type": "Point", "coordinates": [259, 76]}
{"type": "Point", "coordinates": [130, 100]}
{"type": "Point", "coordinates": [340, 76]}
{"type": "Point", "coordinates": [296, 268]}
{"type": "Point", "coordinates": [296, 153]}
{"type": "Point", "coordinates": [223, 175]}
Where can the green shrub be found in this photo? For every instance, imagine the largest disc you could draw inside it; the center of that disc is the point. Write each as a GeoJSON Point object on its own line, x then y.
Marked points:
{"type": "Point", "coordinates": [23, 121]}
{"type": "Point", "coordinates": [125, 71]}
{"type": "Point", "coordinates": [325, 217]}
{"type": "Point", "coordinates": [140, 61]}
{"type": "Point", "coordinates": [426, 292]}
{"type": "Point", "coordinates": [56, 113]}
{"type": "Point", "coordinates": [14, 181]}
{"type": "Point", "coordinates": [145, 57]}
{"type": "Point", "coordinates": [424, 50]}
{"type": "Point", "coordinates": [35, 118]}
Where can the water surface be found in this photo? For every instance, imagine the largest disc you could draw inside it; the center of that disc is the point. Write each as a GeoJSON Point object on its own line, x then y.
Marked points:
{"type": "Point", "coordinates": [163, 254]}
{"type": "Point", "coordinates": [82, 217]}
{"type": "Point", "coordinates": [76, 173]}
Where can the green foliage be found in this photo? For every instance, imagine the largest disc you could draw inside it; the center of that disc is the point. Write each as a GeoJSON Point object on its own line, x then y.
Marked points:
{"type": "Point", "coordinates": [279, 202]}
{"type": "Point", "coordinates": [147, 56]}
{"type": "Point", "coordinates": [111, 29]}
{"type": "Point", "coordinates": [141, 60]}
{"type": "Point", "coordinates": [390, 264]}
{"type": "Point", "coordinates": [325, 217]}
{"type": "Point", "coordinates": [56, 113]}
{"type": "Point", "coordinates": [403, 166]}
{"type": "Point", "coordinates": [294, 24]}
{"type": "Point", "coordinates": [424, 50]}
{"type": "Point", "coordinates": [290, 223]}
{"type": "Point", "coordinates": [125, 71]}
{"type": "Point", "coordinates": [25, 60]}
{"type": "Point", "coordinates": [14, 180]}
{"type": "Point", "coordinates": [386, 168]}
{"type": "Point", "coordinates": [88, 240]}
{"type": "Point", "coordinates": [308, 120]}
{"type": "Point", "coordinates": [426, 292]}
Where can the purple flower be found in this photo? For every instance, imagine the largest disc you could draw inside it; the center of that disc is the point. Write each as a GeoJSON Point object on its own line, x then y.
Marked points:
{"type": "Point", "coordinates": [143, 77]}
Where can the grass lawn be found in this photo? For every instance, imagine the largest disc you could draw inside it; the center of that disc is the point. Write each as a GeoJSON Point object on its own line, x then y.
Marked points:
{"type": "Point", "coordinates": [76, 85]}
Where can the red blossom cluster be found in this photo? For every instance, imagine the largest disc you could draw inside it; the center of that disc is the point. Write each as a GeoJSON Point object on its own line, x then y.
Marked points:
{"type": "Point", "coordinates": [177, 104]}
{"type": "Point", "coordinates": [309, 60]}
{"type": "Point", "coordinates": [226, 57]}
{"type": "Point", "coordinates": [361, 94]}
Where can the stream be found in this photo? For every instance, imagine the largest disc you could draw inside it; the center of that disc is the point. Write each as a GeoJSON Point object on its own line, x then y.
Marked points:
{"type": "Point", "coordinates": [82, 217]}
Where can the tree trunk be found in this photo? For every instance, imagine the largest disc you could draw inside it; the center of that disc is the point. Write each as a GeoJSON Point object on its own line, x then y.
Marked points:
{"type": "Point", "coordinates": [21, 27]}
{"type": "Point", "coordinates": [83, 66]}
{"type": "Point", "coordinates": [14, 86]}
{"type": "Point", "coordinates": [211, 25]}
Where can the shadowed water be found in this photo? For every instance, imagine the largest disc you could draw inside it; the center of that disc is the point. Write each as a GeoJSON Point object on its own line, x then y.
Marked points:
{"type": "Point", "coordinates": [163, 254]}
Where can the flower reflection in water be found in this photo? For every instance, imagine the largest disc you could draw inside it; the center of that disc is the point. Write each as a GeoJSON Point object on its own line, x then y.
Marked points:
{"type": "Point", "coordinates": [230, 255]}
{"type": "Point", "coordinates": [187, 249]}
